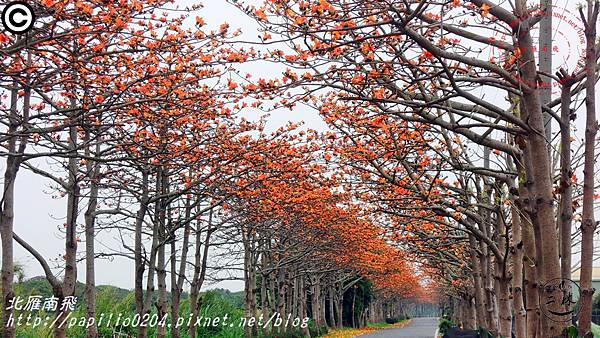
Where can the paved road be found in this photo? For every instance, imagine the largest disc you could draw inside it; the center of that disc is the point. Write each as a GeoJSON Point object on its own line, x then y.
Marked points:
{"type": "Point", "coordinates": [418, 328]}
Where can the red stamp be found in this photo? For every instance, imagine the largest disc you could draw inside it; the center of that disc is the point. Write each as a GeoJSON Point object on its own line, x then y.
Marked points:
{"type": "Point", "coordinates": [568, 45]}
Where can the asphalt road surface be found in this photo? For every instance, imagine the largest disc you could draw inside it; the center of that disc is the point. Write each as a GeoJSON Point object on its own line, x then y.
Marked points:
{"type": "Point", "coordinates": [418, 328]}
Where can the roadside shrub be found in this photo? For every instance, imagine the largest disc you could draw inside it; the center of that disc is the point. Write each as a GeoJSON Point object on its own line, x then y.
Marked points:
{"type": "Point", "coordinates": [316, 331]}
{"type": "Point", "coordinates": [392, 320]}
{"type": "Point", "coordinates": [445, 325]}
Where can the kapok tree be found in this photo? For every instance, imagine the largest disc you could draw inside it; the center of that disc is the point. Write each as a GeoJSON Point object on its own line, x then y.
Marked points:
{"type": "Point", "coordinates": [410, 61]}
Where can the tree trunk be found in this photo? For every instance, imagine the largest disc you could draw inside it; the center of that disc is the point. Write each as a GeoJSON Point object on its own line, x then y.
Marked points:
{"type": "Point", "coordinates": [281, 296]}
{"type": "Point", "coordinates": [200, 259]}
{"type": "Point", "coordinates": [294, 308]}
{"type": "Point", "coordinates": [249, 283]}
{"type": "Point", "coordinates": [352, 316]}
{"type": "Point", "coordinates": [530, 269]}
{"type": "Point", "coordinates": [340, 304]}
{"type": "Point", "coordinates": [13, 163]}
{"type": "Point", "coordinates": [503, 279]}
{"type": "Point", "coordinates": [517, 273]}
{"type": "Point", "coordinates": [93, 170]}
{"type": "Point", "coordinates": [161, 277]}
{"type": "Point", "coordinates": [566, 188]}
{"type": "Point", "coordinates": [543, 208]}
{"type": "Point", "coordinates": [138, 257]}
{"type": "Point", "coordinates": [545, 64]}
{"type": "Point", "coordinates": [147, 299]}
{"type": "Point", "coordinates": [264, 286]}
{"type": "Point", "coordinates": [470, 316]}
{"type": "Point", "coordinates": [487, 278]}
{"type": "Point", "coordinates": [588, 222]}
{"type": "Point", "coordinates": [73, 195]}
{"type": "Point", "coordinates": [302, 309]}
{"type": "Point", "coordinates": [331, 307]}
{"type": "Point", "coordinates": [478, 284]}
{"type": "Point", "coordinates": [316, 302]}
{"type": "Point", "coordinates": [161, 268]}
{"type": "Point", "coordinates": [178, 276]}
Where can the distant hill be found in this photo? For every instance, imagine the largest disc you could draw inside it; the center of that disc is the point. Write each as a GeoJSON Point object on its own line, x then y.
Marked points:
{"type": "Point", "coordinates": [39, 286]}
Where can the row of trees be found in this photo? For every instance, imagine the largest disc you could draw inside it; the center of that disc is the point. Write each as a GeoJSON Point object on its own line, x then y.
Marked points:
{"type": "Point", "coordinates": [134, 120]}
{"type": "Point", "coordinates": [441, 152]}
{"type": "Point", "coordinates": [446, 131]}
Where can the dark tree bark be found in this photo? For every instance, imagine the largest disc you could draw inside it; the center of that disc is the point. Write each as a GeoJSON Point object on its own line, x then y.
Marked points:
{"type": "Point", "coordinates": [15, 145]}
